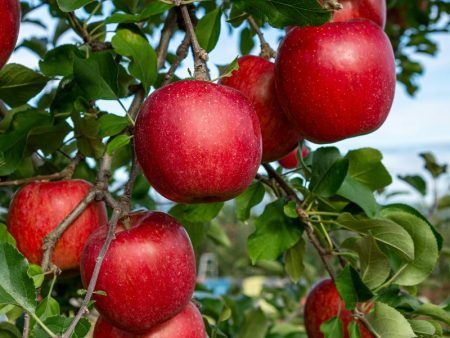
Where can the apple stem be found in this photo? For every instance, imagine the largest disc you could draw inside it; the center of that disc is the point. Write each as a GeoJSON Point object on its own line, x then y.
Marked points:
{"type": "Point", "coordinates": [266, 51]}
{"type": "Point", "coordinates": [200, 55]}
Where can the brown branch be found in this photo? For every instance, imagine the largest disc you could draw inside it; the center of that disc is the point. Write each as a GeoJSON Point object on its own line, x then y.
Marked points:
{"type": "Point", "coordinates": [66, 173]}
{"type": "Point", "coordinates": [166, 36]}
{"type": "Point", "coordinates": [26, 325]}
{"type": "Point", "coordinates": [200, 55]}
{"type": "Point", "coordinates": [332, 5]}
{"type": "Point", "coordinates": [181, 54]}
{"type": "Point", "coordinates": [84, 34]}
{"type": "Point", "coordinates": [309, 228]}
{"type": "Point", "coordinates": [266, 51]}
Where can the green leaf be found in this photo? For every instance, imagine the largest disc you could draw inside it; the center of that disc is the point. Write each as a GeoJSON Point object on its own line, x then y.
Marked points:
{"type": "Point", "coordinates": [59, 324]}
{"type": "Point", "coordinates": [218, 234]}
{"type": "Point", "coordinates": [59, 61]}
{"type": "Point", "coordinates": [365, 166]}
{"type": "Point", "coordinates": [18, 84]}
{"type": "Point", "coordinates": [8, 330]}
{"type": "Point", "coordinates": [118, 142]}
{"type": "Point", "coordinates": [48, 307]}
{"type": "Point", "coordinates": [332, 328]}
{"type": "Point", "coordinates": [97, 76]}
{"type": "Point", "coordinates": [384, 231]}
{"type": "Point", "coordinates": [247, 200]}
{"type": "Point", "coordinates": [353, 330]}
{"type": "Point", "coordinates": [422, 328]}
{"type": "Point", "coordinates": [426, 251]}
{"type": "Point", "coordinates": [87, 133]}
{"type": "Point", "coordinates": [322, 160]}
{"type": "Point", "coordinates": [111, 125]}
{"type": "Point", "coordinates": [417, 182]}
{"type": "Point", "coordinates": [143, 57]}
{"type": "Point", "coordinates": [330, 183]}
{"type": "Point", "coordinates": [36, 273]}
{"type": "Point", "coordinates": [274, 234]}
{"type": "Point", "coordinates": [373, 262]}
{"type": "Point", "coordinates": [208, 29]}
{"type": "Point", "coordinates": [388, 322]}
{"type": "Point", "coordinates": [293, 261]}
{"type": "Point", "coordinates": [196, 213]}
{"type": "Point", "coordinates": [247, 42]}
{"type": "Point", "coordinates": [290, 209]}
{"type": "Point", "coordinates": [351, 288]}
{"type": "Point", "coordinates": [154, 8]}
{"type": "Point", "coordinates": [71, 5]}
{"type": "Point", "coordinates": [433, 311]}
{"type": "Point", "coordinates": [432, 166]}
{"type": "Point", "coordinates": [359, 194]}
{"type": "Point", "coordinates": [255, 325]}
{"type": "Point", "coordinates": [16, 287]}
{"type": "Point", "coordinates": [233, 66]}
{"type": "Point", "coordinates": [5, 236]}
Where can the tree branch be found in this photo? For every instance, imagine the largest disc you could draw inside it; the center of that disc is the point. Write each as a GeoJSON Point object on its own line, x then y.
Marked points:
{"type": "Point", "coordinates": [26, 325]}
{"type": "Point", "coordinates": [166, 35]}
{"type": "Point", "coordinates": [181, 54]}
{"type": "Point", "coordinates": [84, 34]}
{"type": "Point", "coordinates": [266, 51]}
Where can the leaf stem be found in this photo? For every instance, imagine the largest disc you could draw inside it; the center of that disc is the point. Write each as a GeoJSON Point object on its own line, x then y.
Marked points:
{"type": "Point", "coordinates": [44, 327]}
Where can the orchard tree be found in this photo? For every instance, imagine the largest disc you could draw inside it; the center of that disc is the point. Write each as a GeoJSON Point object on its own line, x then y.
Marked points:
{"type": "Point", "coordinates": [75, 235]}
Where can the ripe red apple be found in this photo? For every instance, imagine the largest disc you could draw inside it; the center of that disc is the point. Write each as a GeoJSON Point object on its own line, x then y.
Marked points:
{"type": "Point", "coordinates": [148, 273]}
{"type": "Point", "coordinates": [337, 80]}
{"type": "Point", "coordinates": [198, 142]}
{"type": "Point", "coordinates": [290, 161]}
{"type": "Point", "coordinates": [324, 303]}
{"type": "Point", "coordinates": [256, 80]}
{"type": "Point", "coordinates": [38, 208]}
{"type": "Point", "coordinates": [187, 324]}
{"type": "Point", "coordinates": [9, 28]}
{"type": "Point", "coordinates": [374, 10]}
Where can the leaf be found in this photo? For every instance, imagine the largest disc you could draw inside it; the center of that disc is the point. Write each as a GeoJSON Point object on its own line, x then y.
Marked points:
{"type": "Point", "coordinates": [417, 182]}
{"type": "Point", "coordinates": [248, 199]}
{"type": "Point", "coordinates": [373, 262]}
{"type": "Point", "coordinates": [274, 234]}
{"type": "Point", "coordinates": [322, 160]}
{"type": "Point", "coordinates": [71, 5]}
{"type": "Point", "coordinates": [246, 42]}
{"type": "Point", "coordinates": [218, 235]}
{"type": "Point", "coordinates": [143, 57]}
{"type": "Point", "coordinates": [118, 142]}
{"type": "Point", "coordinates": [431, 165]}
{"type": "Point", "coordinates": [154, 8]}
{"type": "Point", "coordinates": [59, 61]}
{"type": "Point", "coordinates": [365, 166]}
{"type": "Point", "coordinates": [208, 29]}
{"type": "Point", "coordinates": [5, 236]}
{"type": "Point", "coordinates": [433, 311]}
{"type": "Point", "coordinates": [255, 325]}
{"type": "Point", "coordinates": [388, 322]}
{"type": "Point", "coordinates": [59, 324]}
{"type": "Point", "coordinates": [353, 330]}
{"type": "Point", "coordinates": [351, 288]}
{"type": "Point", "coordinates": [36, 273]}
{"type": "Point", "coordinates": [384, 231]}
{"type": "Point", "coordinates": [232, 67]}
{"type": "Point", "coordinates": [111, 125]}
{"type": "Point", "coordinates": [359, 194]}
{"type": "Point", "coordinates": [8, 330]}
{"type": "Point", "coordinates": [332, 328]}
{"type": "Point", "coordinates": [18, 84]}
{"type": "Point", "coordinates": [196, 213]}
{"type": "Point", "coordinates": [16, 287]}
{"type": "Point", "coordinates": [426, 251]}
{"type": "Point", "coordinates": [331, 182]}
{"type": "Point", "coordinates": [48, 307]}
{"type": "Point", "coordinates": [293, 261]}
{"type": "Point", "coordinates": [422, 328]}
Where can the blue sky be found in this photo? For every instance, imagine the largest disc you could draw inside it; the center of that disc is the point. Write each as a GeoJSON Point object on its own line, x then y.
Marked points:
{"type": "Point", "coordinates": [414, 125]}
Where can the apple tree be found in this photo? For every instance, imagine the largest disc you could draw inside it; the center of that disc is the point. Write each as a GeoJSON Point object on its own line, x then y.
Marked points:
{"type": "Point", "coordinates": [118, 168]}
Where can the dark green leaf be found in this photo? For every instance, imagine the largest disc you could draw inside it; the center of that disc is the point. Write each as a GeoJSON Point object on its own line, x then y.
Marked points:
{"type": "Point", "coordinates": [111, 125]}
{"type": "Point", "coordinates": [247, 41]}
{"type": "Point", "coordinates": [294, 261]}
{"type": "Point", "coordinates": [118, 142]}
{"type": "Point", "coordinates": [417, 182]}
{"type": "Point", "coordinates": [247, 200]}
{"type": "Point", "coordinates": [332, 181]}
{"type": "Point", "coordinates": [59, 61]}
{"type": "Point", "coordinates": [208, 29]}
{"type": "Point", "coordinates": [255, 325]}
{"type": "Point", "coordinates": [434, 168]}
{"type": "Point", "coordinates": [8, 330]}
{"type": "Point", "coordinates": [351, 288]}
{"type": "Point", "coordinates": [71, 5]}
{"type": "Point", "coordinates": [322, 160]}
{"type": "Point", "coordinates": [154, 8]}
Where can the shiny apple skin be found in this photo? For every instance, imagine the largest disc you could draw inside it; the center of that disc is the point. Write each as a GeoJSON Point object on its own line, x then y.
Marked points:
{"type": "Point", "coordinates": [9, 28]}
{"type": "Point", "coordinates": [187, 324]}
{"type": "Point", "coordinates": [337, 80]}
{"type": "Point", "coordinates": [324, 303]}
{"type": "Point", "coordinates": [255, 78]}
{"type": "Point", "coordinates": [374, 10]}
{"type": "Point", "coordinates": [38, 208]}
{"type": "Point", "coordinates": [198, 142]}
{"type": "Point", "coordinates": [148, 273]}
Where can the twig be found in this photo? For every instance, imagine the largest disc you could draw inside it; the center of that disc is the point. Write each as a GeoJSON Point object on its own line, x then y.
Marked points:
{"type": "Point", "coordinates": [84, 34]}
{"type": "Point", "coordinates": [200, 55]}
{"type": "Point", "coordinates": [332, 5]}
{"type": "Point", "coordinates": [266, 51]}
{"type": "Point", "coordinates": [26, 325]}
{"type": "Point", "coordinates": [136, 104]}
{"type": "Point", "coordinates": [309, 228]}
{"type": "Point", "coordinates": [166, 35]}
{"type": "Point", "coordinates": [181, 54]}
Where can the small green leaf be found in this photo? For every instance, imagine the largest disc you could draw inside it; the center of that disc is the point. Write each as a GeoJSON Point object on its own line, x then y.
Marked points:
{"type": "Point", "coordinates": [433, 311]}
{"type": "Point", "coordinates": [118, 142]}
{"type": "Point", "coordinates": [332, 328]}
{"type": "Point", "coordinates": [351, 288]}
{"type": "Point", "coordinates": [59, 324]}
{"type": "Point", "coordinates": [71, 5]}
{"type": "Point", "coordinates": [59, 61]}
{"type": "Point", "coordinates": [218, 234]}
{"type": "Point", "coordinates": [417, 182]}
{"type": "Point", "coordinates": [18, 84]}
{"type": "Point", "coordinates": [290, 209]}
{"type": "Point", "coordinates": [111, 125]}
{"type": "Point", "coordinates": [48, 307]}
{"type": "Point", "coordinates": [433, 167]}
{"type": "Point", "coordinates": [196, 213]}
{"type": "Point", "coordinates": [247, 200]}
{"type": "Point", "coordinates": [230, 69]}
{"type": "Point", "coordinates": [274, 234]}
{"type": "Point", "coordinates": [423, 328]}
{"type": "Point", "coordinates": [388, 322]}
{"type": "Point", "coordinates": [359, 194]}
{"type": "Point", "coordinates": [36, 273]}
{"type": "Point", "coordinates": [294, 261]}
{"type": "Point", "coordinates": [255, 325]}
{"type": "Point", "coordinates": [5, 236]}
{"type": "Point", "coordinates": [353, 330]}
{"type": "Point", "coordinates": [208, 29]}
{"type": "Point", "coordinates": [247, 41]}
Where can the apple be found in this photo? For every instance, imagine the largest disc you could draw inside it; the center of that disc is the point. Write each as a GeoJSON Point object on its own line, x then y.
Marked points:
{"type": "Point", "coordinates": [337, 80]}
{"type": "Point", "coordinates": [374, 10]}
{"type": "Point", "coordinates": [38, 208]}
{"type": "Point", "coordinates": [187, 324]}
{"type": "Point", "coordinates": [324, 303]}
{"type": "Point", "coordinates": [148, 273]}
{"type": "Point", "coordinates": [10, 22]}
{"type": "Point", "coordinates": [198, 142]}
{"type": "Point", "coordinates": [290, 161]}
{"type": "Point", "coordinates": [256, 80]}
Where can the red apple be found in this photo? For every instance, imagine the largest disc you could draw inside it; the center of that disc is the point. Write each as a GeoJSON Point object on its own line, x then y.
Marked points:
{"type": "Point", "coordinates": [187, 324]}
{"type": "Point", "coordinates": [324, 303]}
{"type": "Point", "coordinates": [38, 208]}
{"type": "Point", "coordinates": [374, 10]}
{"type": "Point", "coordinates": [9, 28]}
{"type": "Point", "coordinates": [290, 161]}
{"type": "Point", "coordinates": [256, 80]}
{"type": "Point", "coordinates": [198, 142]}
{"type": "Point", "coordinates": [337, 80]}
{"type": "Point", "coordinates": [148, 273]}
